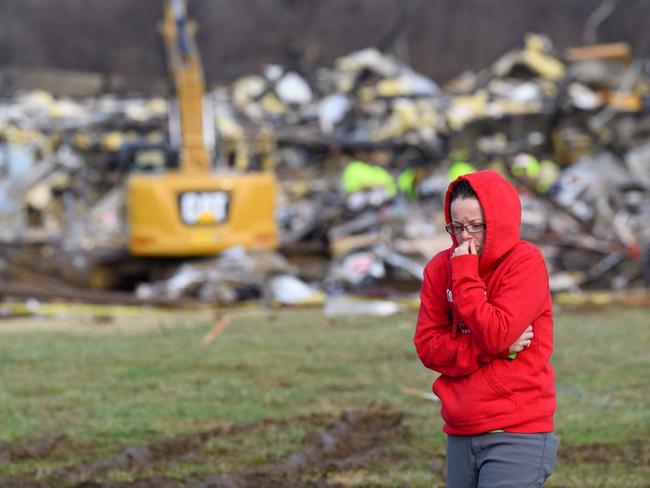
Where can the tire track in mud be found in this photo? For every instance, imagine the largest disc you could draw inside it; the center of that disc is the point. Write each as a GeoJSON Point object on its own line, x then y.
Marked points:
{"type": "Point", "coordinates": [137, 458]}
{"type": "Point", "coordinates": [39, 448]}
{"type": "Point", "coordinates": [352, 440]}
{"type": "Point", "coordinates": [131, 458]}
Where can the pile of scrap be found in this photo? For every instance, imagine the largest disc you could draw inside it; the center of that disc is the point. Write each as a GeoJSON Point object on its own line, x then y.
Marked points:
{"type": "Point", "coordinates": [364, 151]}
{"type": "Point", "coordinates": [366, 101]}
{"type": "Point", "coordinates": [62, 166]}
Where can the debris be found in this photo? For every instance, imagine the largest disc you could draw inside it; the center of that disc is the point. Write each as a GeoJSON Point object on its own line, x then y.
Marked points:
{"type": "Point", "coordinates": [618, 51]}
{"type": "Point", "coordinates": [419, 393]}
{"type": "Point", "coordinates": [218, 327]}
{"type": "Point", "coordinates": [629, 298]}
{"type": "Point", "coordinates": [347, 306]}
{"type": "Point", "coordinates": [364, 150]}
{"type": "Point", "coordinates": [289, 290]}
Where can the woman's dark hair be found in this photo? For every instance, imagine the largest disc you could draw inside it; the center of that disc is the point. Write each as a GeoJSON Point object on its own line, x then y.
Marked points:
{"type": "Point", "coordinates": [462, 190]}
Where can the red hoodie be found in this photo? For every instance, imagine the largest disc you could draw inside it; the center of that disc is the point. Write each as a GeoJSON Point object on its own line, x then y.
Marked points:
{"type": "Point", "coordinates": [473, 308]}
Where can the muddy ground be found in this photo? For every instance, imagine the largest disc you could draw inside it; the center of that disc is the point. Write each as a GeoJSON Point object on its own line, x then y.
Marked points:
{"type": "Point", "coordinates": [354, 440]}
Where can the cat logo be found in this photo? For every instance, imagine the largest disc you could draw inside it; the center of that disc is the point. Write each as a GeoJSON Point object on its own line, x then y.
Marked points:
{"type": "Point", "coordinates": [204, 207]}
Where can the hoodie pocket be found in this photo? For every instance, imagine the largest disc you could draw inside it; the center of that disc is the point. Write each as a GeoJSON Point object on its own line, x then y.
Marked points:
{"type": "Point", "coordinates": [497, 385]}
{"type": "Point", "coordinates": [473, 398]}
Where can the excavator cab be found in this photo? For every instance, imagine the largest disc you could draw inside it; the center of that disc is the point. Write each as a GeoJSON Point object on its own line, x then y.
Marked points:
{"type": "Point", "coordinates": [192, 209]}
{"type": "Point", "coordinates": [176, 214]}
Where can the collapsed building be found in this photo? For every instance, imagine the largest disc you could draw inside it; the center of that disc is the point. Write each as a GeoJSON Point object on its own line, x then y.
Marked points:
{"type": "Point", "coordinates": [572, 131]}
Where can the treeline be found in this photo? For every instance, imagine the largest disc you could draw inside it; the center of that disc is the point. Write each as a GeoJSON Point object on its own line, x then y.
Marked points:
{"type": "Point", "coordinates": [440, 38]}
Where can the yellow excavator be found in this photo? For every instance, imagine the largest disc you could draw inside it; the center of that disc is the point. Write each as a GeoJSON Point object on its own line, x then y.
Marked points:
{"type": "Point", "coordinates": [194, 210]}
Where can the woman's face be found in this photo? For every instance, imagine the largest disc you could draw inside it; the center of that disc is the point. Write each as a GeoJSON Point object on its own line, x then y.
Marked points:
{"type": "Point", "coordinates": [465, 211]}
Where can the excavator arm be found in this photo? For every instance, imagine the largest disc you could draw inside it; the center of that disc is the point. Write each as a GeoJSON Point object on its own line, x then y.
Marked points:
{"type": "Point", "coordinates": [186, 74]}
{"type": "Point", "coordinates": [195, 211]}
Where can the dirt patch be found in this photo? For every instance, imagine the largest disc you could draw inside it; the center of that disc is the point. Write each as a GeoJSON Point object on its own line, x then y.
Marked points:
{"type": "Point", "coordinates": [636, 453]}
{"type": "Point", "coordinates": [40, 448]}
{"type": "Point", "coordinates": [137, 458]}
{"type": "Point", "coordinates": [354, 440]}
{"type": "Point", "coordinates": [132, 459]}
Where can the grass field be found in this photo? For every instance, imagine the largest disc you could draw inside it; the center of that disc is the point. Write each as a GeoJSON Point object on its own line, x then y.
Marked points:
{"type": "Point", "coordinates": [288, 398]}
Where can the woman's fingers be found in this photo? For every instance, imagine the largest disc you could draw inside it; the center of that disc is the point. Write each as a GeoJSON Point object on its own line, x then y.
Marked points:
{"type": "Point", "coordinates": [462, 249]}
{"type": "Point", "coordinates": [526, 336]}
{"type": "Point", "coordinates": [524, 341]}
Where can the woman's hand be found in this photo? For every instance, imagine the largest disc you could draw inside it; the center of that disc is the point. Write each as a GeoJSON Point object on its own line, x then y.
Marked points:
{"type": "Point", "coordinates": [523, 341]}
{"type": "Point", "coordinates": [467, 247]}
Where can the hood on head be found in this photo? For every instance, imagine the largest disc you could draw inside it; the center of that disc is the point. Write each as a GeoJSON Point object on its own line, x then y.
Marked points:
{"type": "Point", "coordinates": [502, 211]}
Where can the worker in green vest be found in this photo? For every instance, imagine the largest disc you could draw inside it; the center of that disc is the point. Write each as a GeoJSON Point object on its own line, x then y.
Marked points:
{"type": "Point", "coordinates": [459, 165]}
{"type": "Point", "coordinates": [358, 175]}
{"type": "Point", "coordinates": [540, 175]}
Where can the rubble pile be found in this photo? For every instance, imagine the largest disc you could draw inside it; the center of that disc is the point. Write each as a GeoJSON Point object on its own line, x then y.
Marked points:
{"type": "Point", "coordinates": [364, 151]}
{"type": "Point", "coordinates": [366, 101]}
{"type": "Point", "coordinates": [62, 162]}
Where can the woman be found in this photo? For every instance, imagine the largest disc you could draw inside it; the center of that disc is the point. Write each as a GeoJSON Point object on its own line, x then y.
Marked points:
{"type": "Point", "coordinates": [485, 324]}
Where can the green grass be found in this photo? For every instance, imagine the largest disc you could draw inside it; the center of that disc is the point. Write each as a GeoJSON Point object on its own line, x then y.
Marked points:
{"type": "Point", "coordinates": [105, 391]}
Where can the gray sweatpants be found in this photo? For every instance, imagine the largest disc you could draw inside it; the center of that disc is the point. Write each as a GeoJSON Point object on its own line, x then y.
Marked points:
{"type": "Point", "coordinates": [500, 459]}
